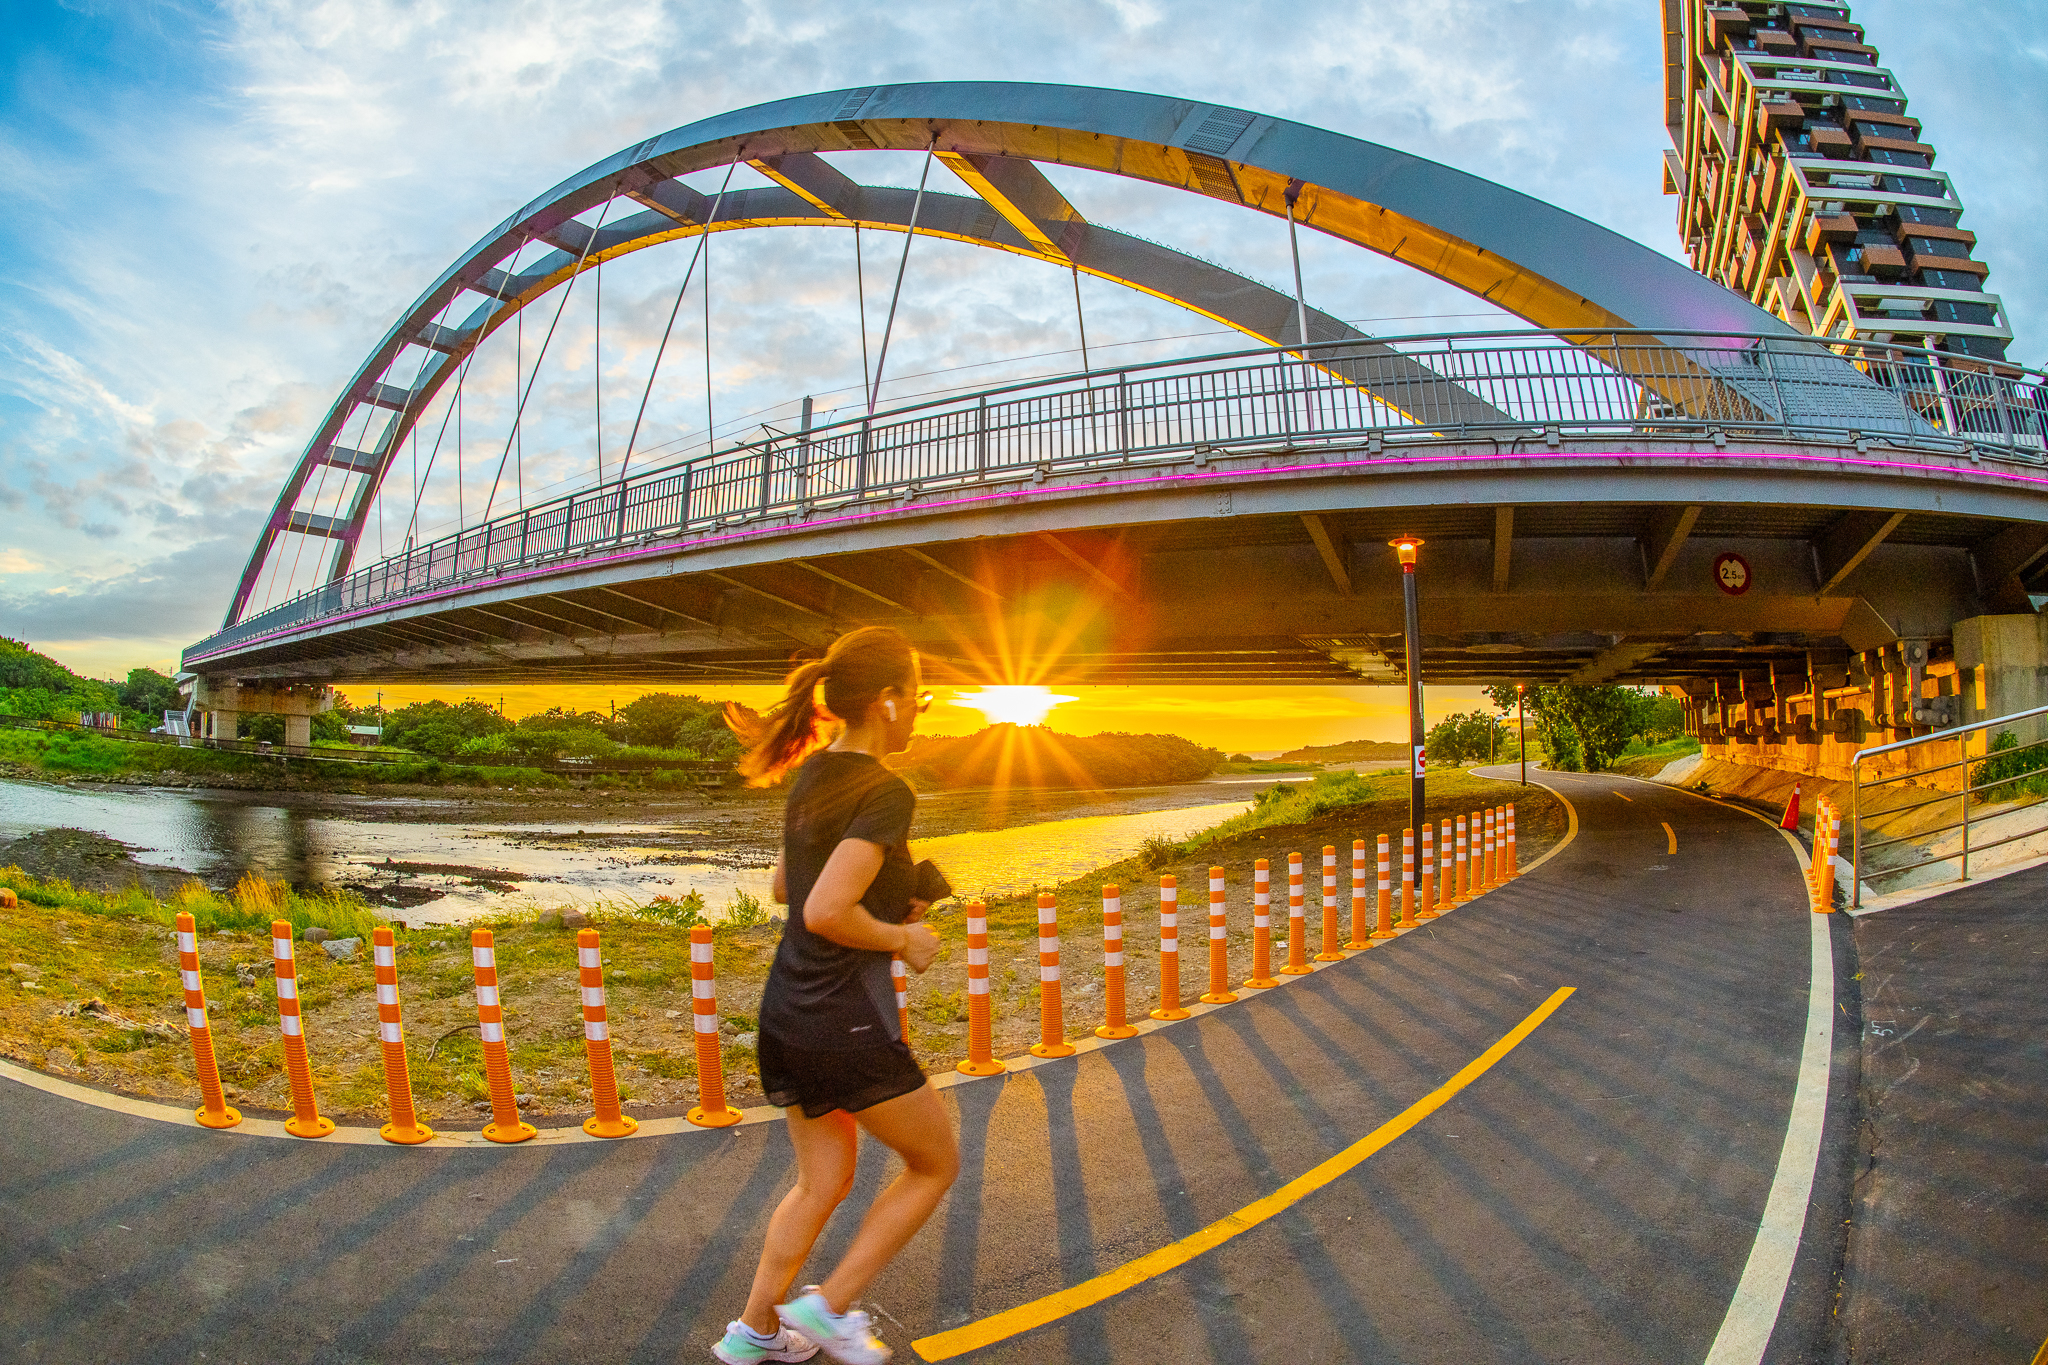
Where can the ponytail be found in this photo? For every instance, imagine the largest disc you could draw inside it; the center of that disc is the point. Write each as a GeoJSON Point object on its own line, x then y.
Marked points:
{"type": "Point", "coordinates": [855, 671]}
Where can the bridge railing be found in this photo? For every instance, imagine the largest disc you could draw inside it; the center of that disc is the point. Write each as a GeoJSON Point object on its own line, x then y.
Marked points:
{"type": "Point", "coordinates": [1411, 391]}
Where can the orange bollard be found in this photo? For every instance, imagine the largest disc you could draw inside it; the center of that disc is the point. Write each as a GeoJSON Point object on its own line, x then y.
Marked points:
{"type": "Point", "coordinates": [1361, 928]}
{"type": "Point", "coordinates": [1386, 911]}
{"type": "Point", "coordinates": [1425, 886]}
{"type": "Point", "coordinates": [1814, 864]}
{"type": "Point", "coordinates": [981, 1059]}
{"type": "Point", "coordinates": [1482, 839]}
{"type": "Point", "coordinates": [1444, 899]}
{"type": "Point", "coordinates": [712, 1111]}
{"type": "Point", "coordinates": [1169, 950]}
{"type": "Point", "coordinates": [899, 977]}
{"type": "Point", "coordinates": [607, 1122]}
{"type": "Point", "coordinates": [1508, 856]}
{"type": "Point", "coordinates": [1330, 952]}
{"type": "Point", "coordinates": [1262, 927]}
{"type": "Point", "coordinates": [1297, 922]}
{"type": "Point", "coordinates": [405, 1127]}
{"type": "Point", "coordinates": [214, 1110]}
{"type": "Point", "coordinates": [1116, 1025]}
{"type": "Point", "coordinates": [1497, 830]}
{"type": "Point", "coordinates": [1219, 992]}
{"type": "Point", "coordinates": [1408, 920]}
{"type": "Point", "coordinates": [305, 1121]}
{"type": "Point", "coordinates": [1052, 1019]}
{"type": "Point", "coordinates": [505, 1124]}
{"type": "Point", "coordinates": [1463, 890]}
{"type": "Point", "coordinates": [1827, 846]}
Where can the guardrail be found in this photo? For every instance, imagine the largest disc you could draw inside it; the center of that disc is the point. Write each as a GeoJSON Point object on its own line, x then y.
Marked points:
{"type": "Point", "coordinates": [1967, 792]}
{"type": "Point", "coordinates": [1407, 391]}
{"type": "Point", "coordinates": [704, 772]}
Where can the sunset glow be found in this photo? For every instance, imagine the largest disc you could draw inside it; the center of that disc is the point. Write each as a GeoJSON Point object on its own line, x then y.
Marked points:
{"type": "Point", "coordinates": [1013, 705]}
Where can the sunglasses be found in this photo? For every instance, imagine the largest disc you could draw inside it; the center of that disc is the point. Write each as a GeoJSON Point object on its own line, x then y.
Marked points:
{"type": "Point", "coordinates": [924, 702]}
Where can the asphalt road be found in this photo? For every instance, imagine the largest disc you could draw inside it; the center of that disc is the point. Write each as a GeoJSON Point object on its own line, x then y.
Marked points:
{"type": "Point", "coordinates": [1592, 1197]}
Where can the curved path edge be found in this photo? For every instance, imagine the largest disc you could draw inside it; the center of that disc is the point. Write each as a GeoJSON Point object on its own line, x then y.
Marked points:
{"type": "Point", "coordinates": [673, 1126]}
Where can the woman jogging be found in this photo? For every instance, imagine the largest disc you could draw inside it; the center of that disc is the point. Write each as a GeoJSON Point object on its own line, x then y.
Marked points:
{"type": "Point", "coordinates": [829, 1050]}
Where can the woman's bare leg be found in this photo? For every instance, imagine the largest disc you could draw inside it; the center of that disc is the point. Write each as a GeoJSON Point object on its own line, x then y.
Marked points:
{"type": "Point", "coordinates": [918, 1129]}
{"type": "Point", "coordinates": [825, 1151]}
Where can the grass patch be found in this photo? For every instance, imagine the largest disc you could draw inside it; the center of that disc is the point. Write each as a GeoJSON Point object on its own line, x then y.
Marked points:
{"type": "Point", "coordinates": [1647, 760]}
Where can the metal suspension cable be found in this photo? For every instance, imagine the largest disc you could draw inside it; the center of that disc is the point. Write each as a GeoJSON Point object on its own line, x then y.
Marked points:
{"type": "Point", "coordinates": [674, 308]}
{"type": "Point", "coordinates": [710, 426]}
{"type": "Point", "coordinates": [875, 393]}
{"type": "Point", "coordinates": [597, 364]}
{"type": "Point", "coordinates": [1294, 188]}
{"type": "Point", "coordinates": [860, 297]}
{"type": "Point", "coordinates": [1080, 318]}
{"type": "Point", "coordinates": [461, 378]}
{"type": "Point", "coordinates": [519, 413]}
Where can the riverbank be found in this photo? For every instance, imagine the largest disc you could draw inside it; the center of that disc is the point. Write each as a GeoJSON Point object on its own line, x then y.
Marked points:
{"type": "Point", "coordinates": [92, 990]}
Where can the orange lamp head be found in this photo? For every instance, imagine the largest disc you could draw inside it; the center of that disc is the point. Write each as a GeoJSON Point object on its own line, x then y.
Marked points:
{"type": "Point", "coordinates": [1405, 547]}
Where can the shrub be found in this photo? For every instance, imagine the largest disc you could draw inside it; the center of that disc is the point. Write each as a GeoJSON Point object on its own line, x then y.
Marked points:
{"type": "Point", "coordinates": [2017, 771]}
{"type": "Point", "coordinates": [1157, 851]}
{"type": "Point", "coordinates": [745, 911]}
{"type": "Point", "coordinates": [686, 913]}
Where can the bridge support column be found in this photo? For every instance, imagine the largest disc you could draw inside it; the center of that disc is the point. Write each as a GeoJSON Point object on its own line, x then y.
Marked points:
{"type": "Point", "coordinates": [2003, 663]}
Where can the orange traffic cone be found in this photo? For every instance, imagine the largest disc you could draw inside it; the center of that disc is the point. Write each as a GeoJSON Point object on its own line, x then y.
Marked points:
{"type": "Point", "coordinates": [1791, 820]}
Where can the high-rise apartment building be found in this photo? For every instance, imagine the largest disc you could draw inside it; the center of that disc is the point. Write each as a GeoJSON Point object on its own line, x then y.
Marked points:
{"type": "Point", "coordinates": [1804, 184]}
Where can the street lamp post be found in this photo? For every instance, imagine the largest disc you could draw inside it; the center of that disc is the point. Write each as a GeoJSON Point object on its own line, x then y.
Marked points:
{"type": "Point", "coordinates": [1406, 547]}
{"type": "Point", "coordinates": [1522, 729]}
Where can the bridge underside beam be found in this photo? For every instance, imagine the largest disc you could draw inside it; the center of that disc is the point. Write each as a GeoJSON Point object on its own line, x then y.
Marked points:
{"type": "Point", "coordinates": [1240, 599]}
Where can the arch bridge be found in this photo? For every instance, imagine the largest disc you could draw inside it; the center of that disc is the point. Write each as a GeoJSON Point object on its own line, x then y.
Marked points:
{"type": "Point", "coordinates": [1657, 482]}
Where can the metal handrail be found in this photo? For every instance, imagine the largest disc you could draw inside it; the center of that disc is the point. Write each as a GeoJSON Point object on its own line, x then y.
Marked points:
{"type": "Point", "coordinates": [1954, 733]}
{"type": "Point", "coordinates": [1411, 390]}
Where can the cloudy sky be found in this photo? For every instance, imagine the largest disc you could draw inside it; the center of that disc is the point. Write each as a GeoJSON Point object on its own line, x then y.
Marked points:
{"type": "Point", "coordinates": [213, 211]}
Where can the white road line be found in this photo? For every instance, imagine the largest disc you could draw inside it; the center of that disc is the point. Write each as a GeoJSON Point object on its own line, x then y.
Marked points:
{"type": "Point", "coordinates": [1753, 1312]}
{"type": "Point", "coordinates": [1760, 1294]}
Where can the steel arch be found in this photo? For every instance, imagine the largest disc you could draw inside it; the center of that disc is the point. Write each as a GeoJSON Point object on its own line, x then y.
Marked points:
{"type": "Point", "coordinates": [1537, 261]}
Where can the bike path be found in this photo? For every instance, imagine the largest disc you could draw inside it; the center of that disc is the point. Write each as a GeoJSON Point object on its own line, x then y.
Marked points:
{"type": "Point", "coordinates": [1595, 1195]}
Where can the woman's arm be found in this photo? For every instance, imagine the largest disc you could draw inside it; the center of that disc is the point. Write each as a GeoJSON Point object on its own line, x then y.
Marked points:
{"type": "Point", "coordinates": [833, 910]}
{"type": "Point", "coordinates": [778, 890]}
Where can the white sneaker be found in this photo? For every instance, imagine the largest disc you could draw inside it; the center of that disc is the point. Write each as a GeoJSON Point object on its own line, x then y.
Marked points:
{"type": "Point", "coordinates": [741, 1345]}
{"type": "Point", "coordinates": [848, 1337]}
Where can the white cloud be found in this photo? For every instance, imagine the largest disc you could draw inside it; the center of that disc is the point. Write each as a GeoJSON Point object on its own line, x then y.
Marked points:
{"type": "Point", "coordinates": [165, 355]}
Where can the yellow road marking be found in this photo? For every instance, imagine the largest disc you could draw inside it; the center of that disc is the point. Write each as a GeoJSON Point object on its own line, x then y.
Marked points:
{"type": "Point", "coordinates": [1630, 799]}
{"type": "Point", "coordinates": [1023, 1318]}
{"type": "Point", "coordinates": [1671, 835]}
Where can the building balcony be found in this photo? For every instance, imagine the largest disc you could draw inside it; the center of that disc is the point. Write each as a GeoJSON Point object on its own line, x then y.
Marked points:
{"type": "Point", "coordinates": [1830, 229]}
{"type": "Point", "coordinates": [1726, 23]}
{"type": "Point", "coordinates": [1784, 115]}
{"type": "Point", "coordinates": [1885, 262]}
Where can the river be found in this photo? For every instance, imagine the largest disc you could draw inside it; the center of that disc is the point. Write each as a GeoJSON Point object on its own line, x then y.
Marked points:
{"type": "Point", "coordinates": [450, 858]}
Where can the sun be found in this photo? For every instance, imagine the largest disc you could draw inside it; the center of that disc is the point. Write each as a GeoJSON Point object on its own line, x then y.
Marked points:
{"type": "Point", "coordinates": [1013, 705]}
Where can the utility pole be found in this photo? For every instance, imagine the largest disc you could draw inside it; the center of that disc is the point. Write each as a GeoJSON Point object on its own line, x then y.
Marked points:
{"type": "Point", "coordinates": [1522, 727]}
{"type": "Point", "coordinates": [1406, 547]}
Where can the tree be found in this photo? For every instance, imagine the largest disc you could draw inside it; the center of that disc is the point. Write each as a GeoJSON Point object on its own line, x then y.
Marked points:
{"type": "Point", "coordinates": [1578, 726]}
{"type": "Point", "coordinates": [150, 693]}
{"type": "Point", "coordinates": [668, 720]}
{"type": "Point", "coordinates": [438, 729]}
{"type": "Point", "coordinates": [1468, 737]}
{"type": "Point", "coordinates": [23, 667]}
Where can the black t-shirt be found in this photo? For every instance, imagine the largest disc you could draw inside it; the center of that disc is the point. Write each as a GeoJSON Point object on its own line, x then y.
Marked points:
{"type": "Point", "coordinates": [821, 994]}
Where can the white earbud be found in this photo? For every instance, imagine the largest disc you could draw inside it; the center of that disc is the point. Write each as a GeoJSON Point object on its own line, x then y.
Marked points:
{"type": "Point", "coordinates": [891, 706]}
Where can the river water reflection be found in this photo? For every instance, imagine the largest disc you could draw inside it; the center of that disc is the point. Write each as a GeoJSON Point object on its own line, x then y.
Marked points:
{"type": "Point", "coordinates": [475, 861]}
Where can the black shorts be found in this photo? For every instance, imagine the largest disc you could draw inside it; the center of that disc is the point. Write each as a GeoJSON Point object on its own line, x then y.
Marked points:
{"type": "Point", "coordinates": [821, 1081]}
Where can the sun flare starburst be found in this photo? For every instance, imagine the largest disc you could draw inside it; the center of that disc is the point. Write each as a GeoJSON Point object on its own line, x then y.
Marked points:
{"type": "Point", "coordinates": [1013, 705]}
